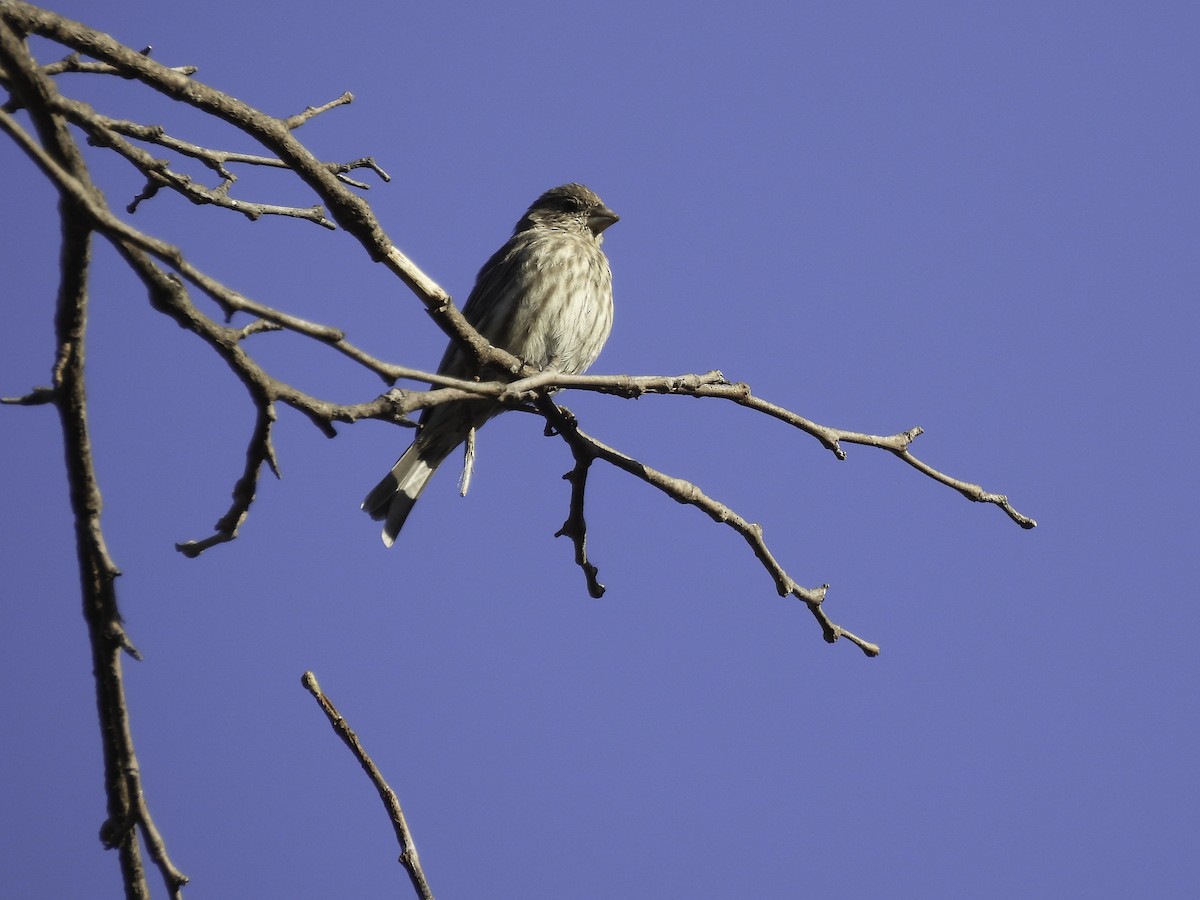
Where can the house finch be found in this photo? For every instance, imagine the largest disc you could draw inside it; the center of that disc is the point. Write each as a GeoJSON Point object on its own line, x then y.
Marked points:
{"type": "Point", "coordinates": [545, 297]}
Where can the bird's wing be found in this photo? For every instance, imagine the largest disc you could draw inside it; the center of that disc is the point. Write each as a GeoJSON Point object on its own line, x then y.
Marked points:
{"type": "Point", "coordinates": [498, 273]}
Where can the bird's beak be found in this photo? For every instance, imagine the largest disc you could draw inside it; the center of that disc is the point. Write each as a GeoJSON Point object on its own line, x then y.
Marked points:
{"type": "Point", "coordinates": [601, 218]}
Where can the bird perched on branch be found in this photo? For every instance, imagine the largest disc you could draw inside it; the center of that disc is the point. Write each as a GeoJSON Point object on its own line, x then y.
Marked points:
{"type": "Point", "coordinates": [545, 297]}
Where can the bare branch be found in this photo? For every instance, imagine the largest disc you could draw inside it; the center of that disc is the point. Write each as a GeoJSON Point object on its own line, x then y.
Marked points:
{"type": "Point", "coordinates": [713, 384]}
{"type": "Point", "coordinates": [685, 492]}
{"type": "Point", "coordinates": [366, 162]}
{"type": "Point", "coordinates": [258, 326]}
{"type": "Point", "coordinates": [217, 160]}
{"type": "Point", "coordinates": [575, 526]}
{"type": "Point", "coordinates": [293, 122]}
{"type": "Point", "coordinates": [347, 209]}
{"type": "Point", "coordinates": [259, 452]}
{"type": "Point", "coordinates": [73, 63]}
{"type": "Point", "coordinates": [127, 809]}
{"type": "Point", "coordinates": [39, 396]}
{"type": "Point", "coordinates": [121, 233]}
{"type": "Point", "coordinates": [408, 849]}
{"type": "Point", "coordinates": [104, 131]}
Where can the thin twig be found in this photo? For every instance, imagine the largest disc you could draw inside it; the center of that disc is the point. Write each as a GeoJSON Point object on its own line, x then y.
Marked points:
{"type": "Point", "coordinates": [39, 396]}
{"type": "Point", "coordinates": [293, 122]}
{"type": "Point", "coordinates": [575, 525]}
{"type": "Point", "coordinates": [408, 849]}
{"type": "Point", "coordinates": [260, 451]}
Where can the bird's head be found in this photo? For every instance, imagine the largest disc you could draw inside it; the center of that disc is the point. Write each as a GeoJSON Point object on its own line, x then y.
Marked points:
{"type": "Point", "coordinates": [569, 207]}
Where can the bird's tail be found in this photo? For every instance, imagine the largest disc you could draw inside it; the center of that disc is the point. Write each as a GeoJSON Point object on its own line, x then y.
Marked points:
{"type": "Point", "coordinates": [392, 499]}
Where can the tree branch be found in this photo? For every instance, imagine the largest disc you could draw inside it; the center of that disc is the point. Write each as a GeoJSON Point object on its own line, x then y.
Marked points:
{"type": "Point", "coordinates": [713, 385]}
{"type": "Point", "coordinates": [127, 809]}
{"type": "Point", "coordinates": [349, 210]}
{"type": "Point", "coordinates": [575, 526]}
{"type": "Point", "coordinates": [516, 385]}
{"type": "Point", "coordinates": [408, 849]}
{"type": "Point", "coordinates": [585, 447]}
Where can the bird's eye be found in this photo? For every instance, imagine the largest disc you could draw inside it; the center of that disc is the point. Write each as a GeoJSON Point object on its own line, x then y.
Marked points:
{"type": "Point", "coordinates": [572, 204]}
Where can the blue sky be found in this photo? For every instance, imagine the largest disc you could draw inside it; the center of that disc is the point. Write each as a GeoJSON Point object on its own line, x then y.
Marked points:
{"type": "Point", "coordinates": [977, 218]}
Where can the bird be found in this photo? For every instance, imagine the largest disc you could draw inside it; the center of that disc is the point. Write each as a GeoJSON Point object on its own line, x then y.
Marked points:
{"type": "Point", "coordinates": [545, 297]}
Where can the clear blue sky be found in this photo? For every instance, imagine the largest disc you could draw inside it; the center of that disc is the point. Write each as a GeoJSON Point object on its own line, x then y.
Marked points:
{"type": "Point", "coordinates": [977, 218]}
